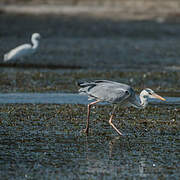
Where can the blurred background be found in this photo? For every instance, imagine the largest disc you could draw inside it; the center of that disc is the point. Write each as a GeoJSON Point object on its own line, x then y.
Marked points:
{"type": "Point", "coordinates": [95, 38]}
{"type": "Point", "coordinates": [94, 33]}
{"type": "Point", "coordinates": [130, 41]}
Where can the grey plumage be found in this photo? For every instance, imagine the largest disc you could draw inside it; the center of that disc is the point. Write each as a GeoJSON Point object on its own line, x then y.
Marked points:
{"type": "Point", "coordinates": [114, 93]}
{"type": "Point", "coordinates": [108, 91]}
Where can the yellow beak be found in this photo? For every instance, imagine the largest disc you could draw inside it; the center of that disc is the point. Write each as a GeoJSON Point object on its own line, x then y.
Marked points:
{"type": "Point", "coordinates": [158, 97]}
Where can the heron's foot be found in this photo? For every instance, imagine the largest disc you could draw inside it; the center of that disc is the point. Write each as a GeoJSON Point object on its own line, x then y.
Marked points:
{"type": "Point", "coordinates": [120, 133]}
{"type": "Point", "coordinates": [115, 128]}
{"type": "Point", "coordinates": [86, 131]}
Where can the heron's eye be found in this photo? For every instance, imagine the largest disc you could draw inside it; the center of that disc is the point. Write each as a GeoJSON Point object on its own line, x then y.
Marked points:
{"type": "Point", "coordinates": [150, 93]}
{"type": "Point", "coordinates": [126, 92]}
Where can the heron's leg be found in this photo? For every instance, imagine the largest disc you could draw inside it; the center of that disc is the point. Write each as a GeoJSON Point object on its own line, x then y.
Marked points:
{"type": "Point", "coordinates": [88, 114]}
{"type": "Point", "coordinates": [110, 121]}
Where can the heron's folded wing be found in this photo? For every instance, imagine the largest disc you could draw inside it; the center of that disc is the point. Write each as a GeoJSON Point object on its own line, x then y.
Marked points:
{"type": "Point", "coordinates": [110, 92]}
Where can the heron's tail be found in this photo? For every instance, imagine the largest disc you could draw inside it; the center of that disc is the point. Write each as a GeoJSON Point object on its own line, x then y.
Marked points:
{"type": "Point", "coordinates": [85, 86]}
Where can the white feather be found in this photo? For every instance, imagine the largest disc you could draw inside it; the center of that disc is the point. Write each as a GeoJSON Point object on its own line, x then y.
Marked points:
{"type": "Point", "coordinates": [23, 50]}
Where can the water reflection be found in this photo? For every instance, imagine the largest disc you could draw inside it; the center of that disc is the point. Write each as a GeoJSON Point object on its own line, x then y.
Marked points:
{"type": "Point", "coordinates": [142, 167]}
{"type": "Point", "coordinates": [115, 160]}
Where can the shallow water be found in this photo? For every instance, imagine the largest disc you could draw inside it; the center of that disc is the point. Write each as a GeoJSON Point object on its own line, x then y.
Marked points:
{"type": "Point", "coordinates": [41, 133]}
{"type": "Point", "coordinates": [61, 98]}
{"type": "Point", "coordinates": [40, 141]}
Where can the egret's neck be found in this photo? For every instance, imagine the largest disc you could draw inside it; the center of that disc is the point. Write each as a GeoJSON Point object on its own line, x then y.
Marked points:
{"type": "Point", "coordinates": [143, 100]}
{"type": "Point", "coordinates": [35, 43]}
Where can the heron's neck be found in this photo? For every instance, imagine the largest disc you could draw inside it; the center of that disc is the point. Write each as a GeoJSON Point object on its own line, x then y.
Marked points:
{"type": "Point", "coordinates": [143, 100]}
{"type": "Point", "coordinates": [35, 44]}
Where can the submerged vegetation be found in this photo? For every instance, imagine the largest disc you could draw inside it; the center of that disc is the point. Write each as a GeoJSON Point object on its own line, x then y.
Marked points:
{"type": "Point", "coordinates": [56, 81]}
{"type": "Point", "coordinates": [46, 141]}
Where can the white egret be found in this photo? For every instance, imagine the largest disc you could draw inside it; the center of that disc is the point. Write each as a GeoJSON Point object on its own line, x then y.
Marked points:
{"type": "Point", "coordinates": [24, 49]}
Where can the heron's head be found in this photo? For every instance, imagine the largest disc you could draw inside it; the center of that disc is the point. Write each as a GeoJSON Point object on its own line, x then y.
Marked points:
{"type": "Point", "coordinates": [36, 36]}
{"type": "Point", "coordinates": [149, 93]}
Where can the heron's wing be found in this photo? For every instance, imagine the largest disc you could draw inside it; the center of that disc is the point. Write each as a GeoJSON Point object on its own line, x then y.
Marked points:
{"type": "Point", "coordinates": [109, 93]}
{"type": "Point", "coordinates": [97, 83]}
{"type": "Point", "coordinates": [104, 90]}
{"type": "Point", "coordinates": [18, 52]}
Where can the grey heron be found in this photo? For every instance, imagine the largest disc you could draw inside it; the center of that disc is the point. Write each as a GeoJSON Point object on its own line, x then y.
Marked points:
{"type": "Point", "coordinates": [24, 49]}
{"type": "Point", "coordinates": [114, 93]}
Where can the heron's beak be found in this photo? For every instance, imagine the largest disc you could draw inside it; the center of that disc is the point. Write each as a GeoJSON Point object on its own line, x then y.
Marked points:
{"type": "Point", "coordinates": [158, 97]}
